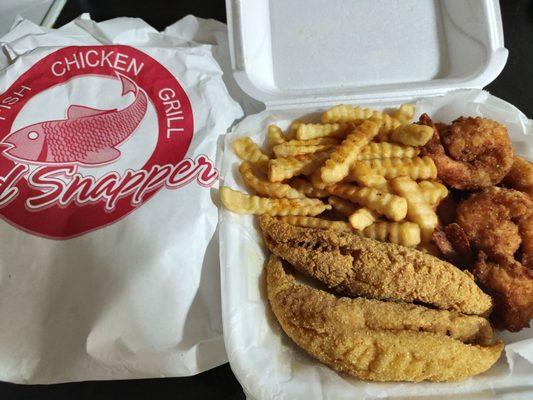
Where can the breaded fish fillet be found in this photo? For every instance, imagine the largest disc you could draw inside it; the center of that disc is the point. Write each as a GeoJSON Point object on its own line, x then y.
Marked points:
{"type": "Point", "coordinates": [355, 266]}
{"type": "Point", "coordinates": [377, 340]}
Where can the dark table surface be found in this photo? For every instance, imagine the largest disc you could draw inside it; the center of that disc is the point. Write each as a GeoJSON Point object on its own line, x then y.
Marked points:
{"type": "Point", "coordinates": [515, 84]}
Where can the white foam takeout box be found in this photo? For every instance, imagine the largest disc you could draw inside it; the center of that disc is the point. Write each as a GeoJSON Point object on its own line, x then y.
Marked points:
{"type": "Point", "coordinates": [301, 57]}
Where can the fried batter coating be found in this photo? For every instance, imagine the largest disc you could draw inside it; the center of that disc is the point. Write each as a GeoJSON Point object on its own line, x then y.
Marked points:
{"type": "Point", "coordinates": [381, 341]}
{"type": "Point", "coordinates": [472, 153]}
{"type": "Point", "coordinates": [520, 177]}
{"type": "Point", "coordinates": [498, 221]}
{"type": "Point", "coordinates": [356, 266]}
{"type": "Point", "coordinates": [511, 285]}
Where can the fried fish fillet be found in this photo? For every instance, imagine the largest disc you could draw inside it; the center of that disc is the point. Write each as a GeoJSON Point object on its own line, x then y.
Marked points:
{"type": "Point", "coordinates": [355, 266]}
{"type": "Point", "coordinates": [376, 340]}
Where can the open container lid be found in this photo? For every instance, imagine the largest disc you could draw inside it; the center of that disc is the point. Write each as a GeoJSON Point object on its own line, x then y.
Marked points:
{"type": "Point", "coordinates": [287, 53]}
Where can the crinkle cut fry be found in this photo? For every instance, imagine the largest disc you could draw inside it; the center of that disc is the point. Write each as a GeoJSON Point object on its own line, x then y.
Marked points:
{"type": "Point", "coordinates": [392, 206]}
{"type": "Point", "coordinates": [387, 150]}
{"type": "Point", "coordinates": [313, 131]}
{"type": "Point", "coordinates": [247, 150]}
{"type": "Point", "coordinates": [338, 165]}
{"type": "Point", "coordinates": [242, 203]}
{"type": "Point", "coordinates": [314, 222]}
{"type": "Point", "coordinates": [417, 168]}
{"type": "Point", "coordinates": [280, 169]}
{"type": "Point", "coordinates": [266, 188]}
{"type": "Point", "coordinates": [306, 188]}
{"type": "Point", "coordinates": [357, 266]}
{"type": "Point", "coordinates": [378, 340]}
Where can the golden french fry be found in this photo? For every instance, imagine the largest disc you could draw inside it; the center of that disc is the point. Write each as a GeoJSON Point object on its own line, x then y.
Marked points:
{"type": "Point", "coordinates": [433, 192]}
{"type": "Point", "coordinates": [403, 233]}
{"type": "Point", "coordinates": [294, 128]}
{"type": "Point", "coordinates": [314, 222]}
{"type": "Point", "coordinates": [247, 150]}
{"type": "Point", "coordinates": [418, 210]}
{"type": "Point", "coordinates": [392, 206]}
{"type": "Point", "coordinates": [388, 125]}
{"type": "Point", "coordinates": [370, 180]}
{"type": "Point", "coordinates": [362, 218]}
{"type": "Point", "coordinates": [338, 165]}
{"type": "Point", "coordinates": [412, 134]}
{"type": "Point", "coordinates": [404, 113]}
{"type": "Point", "coordinates": [280, 169]}
{"type": "Point", "coordinates": [362, 174]}
{"type": "Point", "coordinates": [266, 188]}
{"type": "Point", "coordinates": [328, 141]}
{"type": "Point", "coordinates": [316, 179]}
{"type": "Point", "coordinates": [274, 136]}
{"type": "Point", "coordinates": [345, 113]}
{"type": "Point", "coordinates": [417, 168]}
{"type": "Point", "coordinates": [286, 150]}
{"type": "Point", "coordinates": [387, 150]}
{"type": "Point", "coordinates": [242, 203]}
{"type": "Point", "coordinates": [344, 207]}
{"type": "Point", "coordinates": [306, 188]}
{"type": "Point", "coordinates": [313, 131]}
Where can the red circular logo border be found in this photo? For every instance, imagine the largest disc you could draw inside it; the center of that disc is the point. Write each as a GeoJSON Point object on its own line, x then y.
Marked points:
{"type": "Point", "coordinates": [73, 220]}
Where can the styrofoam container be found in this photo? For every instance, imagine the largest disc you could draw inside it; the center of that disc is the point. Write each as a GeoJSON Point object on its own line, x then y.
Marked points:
{"type": "Point", "coordinates": [299, 58]}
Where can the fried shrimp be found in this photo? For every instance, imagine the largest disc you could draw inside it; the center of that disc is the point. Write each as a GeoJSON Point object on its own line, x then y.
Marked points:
{"type": "Point", "coordinates": [511, 286]}
{"type": "Point", "coordinates": [520, 177]}
{"type": "Point", "coordinates": [498, 221]}
{"type": "Point", "coordinates": [471, 153]}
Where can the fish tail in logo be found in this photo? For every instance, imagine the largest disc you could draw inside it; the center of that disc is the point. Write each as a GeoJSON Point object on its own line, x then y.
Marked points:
{"type": "Point", "coordinates": [115, 148]}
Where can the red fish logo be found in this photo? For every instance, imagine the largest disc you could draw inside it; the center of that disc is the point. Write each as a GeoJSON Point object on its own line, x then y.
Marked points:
{"type": "Point", "coordinates": [87, 136]}
{"type": "Point", "coordinates": [69, 167]}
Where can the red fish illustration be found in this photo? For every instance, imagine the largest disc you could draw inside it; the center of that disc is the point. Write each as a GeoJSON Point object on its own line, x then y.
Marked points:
{"type": "Point", "coordinates": [87, 137]}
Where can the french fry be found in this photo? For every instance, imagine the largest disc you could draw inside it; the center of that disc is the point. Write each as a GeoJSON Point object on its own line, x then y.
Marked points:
{"type": "Point", "coordinates": [387, 150]}
{"type": "Point", "coordinates": [362, 218]}
{"type": "Point", "coordinates": [242, 203]}
{"type": "Point", "coordinates": [392, 206]}
{"type": "Point", "coordinates": [412, 134]}
{"type": "Point", "coordinates": [345, 113]}
{"type": "Point", "coordinates": [280, 169]}
{"type": "Point", "coordinates": [266, 188]}
{"type": "Point", "coordinates": [433, 192]}
{"type": "Point", "coordinates": [313, 131]}
{"type": "Point", "coordinates": [403, 233]}
{"type": "Point", "coordinates": [362, 174]}
{"type": "Point", "coordinates": [274, 136]}
{"type": "Point", "coordinates": [247, 150]}
{"type": "Point", "coordinates": [344, 207]}
{"type": "Point", "coordinates": [338, 165]}
{"type": "Point", "coordinates": [328, 141]}
{"type": "Point", "coordinates": [314, 222]}
{"type": "Point", "coordinates": [306, 188]}
{"type": "Point", "coordinates": [418, 210]}
{"type": "Point", "coordinates": [417, 168]}
{"type": "Point", "coordinates": [294, 128]}
{"type": "Point", "coordinates": [371, 180]}
{"type": "Point", "coordinates": [404, 113]}
{"type": "Point", "coordinates": [316, 179]}
{"type": "Point", "coordinates": [286, 150]}
{"type": "Point", "coordinates": [388, 125]}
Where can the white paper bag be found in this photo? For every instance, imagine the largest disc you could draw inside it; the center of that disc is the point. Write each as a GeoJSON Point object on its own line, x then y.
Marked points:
{"type": "Point", "coordinates": [109, 251]}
